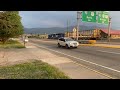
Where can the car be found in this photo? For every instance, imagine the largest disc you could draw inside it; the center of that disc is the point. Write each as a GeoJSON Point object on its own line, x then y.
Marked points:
{"type": "Point", "coordinates": [67, 42]}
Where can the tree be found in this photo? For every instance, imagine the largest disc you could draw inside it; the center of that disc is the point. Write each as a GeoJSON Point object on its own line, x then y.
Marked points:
{"type": "Point", "coordinates": [10, 25]}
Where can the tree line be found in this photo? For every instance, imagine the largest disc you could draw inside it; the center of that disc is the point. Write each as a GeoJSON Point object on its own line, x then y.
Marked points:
{"type": "Point", "coordinates": [10, 25]}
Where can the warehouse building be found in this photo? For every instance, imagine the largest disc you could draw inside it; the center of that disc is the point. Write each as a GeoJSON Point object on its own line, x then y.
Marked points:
{"type": "Point", "coordinates": [93, 34]}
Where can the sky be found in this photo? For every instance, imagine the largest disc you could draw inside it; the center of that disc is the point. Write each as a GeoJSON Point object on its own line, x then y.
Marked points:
{"type": "Point", "coordinates": [45, 19]}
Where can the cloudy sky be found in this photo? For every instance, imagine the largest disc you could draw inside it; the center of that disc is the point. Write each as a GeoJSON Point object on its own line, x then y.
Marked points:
{"type": "Point", "coordinates": [35, 19]}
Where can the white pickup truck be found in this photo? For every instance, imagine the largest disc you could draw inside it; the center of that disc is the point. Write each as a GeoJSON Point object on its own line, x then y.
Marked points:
{"type": "Point", "coordinates": [67, 42]}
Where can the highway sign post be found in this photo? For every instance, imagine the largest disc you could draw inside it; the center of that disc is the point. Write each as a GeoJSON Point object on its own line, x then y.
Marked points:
{"type": "Point", "coordinates": [89, 16]}
{"type": "Point", "coordinates": [78, 21]}
{"type": "Point", "coordinates": [103, 17]}
{"type": "Point", "coordinates": [92, 16]}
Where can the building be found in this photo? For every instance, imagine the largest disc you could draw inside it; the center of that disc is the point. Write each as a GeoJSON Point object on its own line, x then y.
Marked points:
{"type": "Point", "coordinates": [114, 34]}
{"type": "Point", "coordinates": [43, 36]}
{"type": "Point", "coordinates": [93, 34]}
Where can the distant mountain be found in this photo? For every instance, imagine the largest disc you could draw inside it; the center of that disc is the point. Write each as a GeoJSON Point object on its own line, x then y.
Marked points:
{"type": "Point", "coordinates": [59, 29]}
{"type": "Point", "coordinates": [44, 30]}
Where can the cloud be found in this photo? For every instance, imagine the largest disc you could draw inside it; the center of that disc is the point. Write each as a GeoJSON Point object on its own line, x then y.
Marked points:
{"type": "Point", "coordinates": [58, 18]}
{"type": "Point", "coordinates": [52, 23]}
{"type": "Point", "coordinates": [31, 22]}
{"type": "Point", "coordinates": [46, 18]}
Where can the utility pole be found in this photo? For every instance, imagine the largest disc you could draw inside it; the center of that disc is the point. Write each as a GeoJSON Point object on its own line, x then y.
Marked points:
{"type": "Point", "coordinates": [67, 28]}
{"type": "Point", "coordinates": [109, 26]}
{"type": "Point", "coordinates": [78, 22]}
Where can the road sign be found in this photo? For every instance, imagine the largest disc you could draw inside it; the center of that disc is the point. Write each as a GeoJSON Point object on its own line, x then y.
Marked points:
{"type": "Point", "coordinates": [89, 16]}
{"type": "Point", "coordinates": [103, 17]}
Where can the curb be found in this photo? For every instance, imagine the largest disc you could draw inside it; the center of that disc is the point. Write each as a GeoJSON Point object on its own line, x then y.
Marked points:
{"type": "Point", "coordinates": [118, 47]}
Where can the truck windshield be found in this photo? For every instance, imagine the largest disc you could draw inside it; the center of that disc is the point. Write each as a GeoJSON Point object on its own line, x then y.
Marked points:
{"type": "Point", "coordinates": [69, 39]}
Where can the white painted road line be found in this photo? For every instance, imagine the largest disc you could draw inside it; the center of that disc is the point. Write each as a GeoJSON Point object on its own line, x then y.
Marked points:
{"type": "Point", "coordinates": [95, 71]}
{"type": "Point", "coordinates": [82, 59]}
{"type": "Point", "coordinates": [108, 52]}
{"type": "Point", "coordinates": [81, 64]}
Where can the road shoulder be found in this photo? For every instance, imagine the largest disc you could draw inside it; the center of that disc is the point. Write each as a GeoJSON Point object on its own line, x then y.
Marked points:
{"type": "Point", "coordinates": [75, 71]}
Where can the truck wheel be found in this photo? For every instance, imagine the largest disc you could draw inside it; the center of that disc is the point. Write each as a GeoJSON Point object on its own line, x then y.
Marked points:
{"type": "Point", "coordinates": [67, 46]}
{"type": "Point", "coordinates": [59, 45]}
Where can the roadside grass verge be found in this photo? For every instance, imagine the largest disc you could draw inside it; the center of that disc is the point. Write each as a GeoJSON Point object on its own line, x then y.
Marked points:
{"type": "Point", "coordinates": [12, 44]}
{"type": "Point", "coordinates": [31, 70]}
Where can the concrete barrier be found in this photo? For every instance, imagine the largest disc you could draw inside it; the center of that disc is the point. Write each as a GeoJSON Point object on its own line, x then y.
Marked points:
{"type": "Point", "coordinates": [92, 41]}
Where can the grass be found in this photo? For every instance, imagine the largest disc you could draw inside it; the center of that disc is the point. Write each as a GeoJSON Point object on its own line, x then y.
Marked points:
{"type": "Point", "coordinates": [31, 70]}
{"type": "Point", "coordinates": [11, 44]}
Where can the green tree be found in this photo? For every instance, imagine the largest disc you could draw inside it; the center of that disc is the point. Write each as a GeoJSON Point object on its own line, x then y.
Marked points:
{"type": "Point", "coordinates": [10, 25]}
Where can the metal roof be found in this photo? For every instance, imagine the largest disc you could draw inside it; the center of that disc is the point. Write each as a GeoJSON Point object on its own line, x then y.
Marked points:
{"type": "Point", "coordinates": [116, 32]}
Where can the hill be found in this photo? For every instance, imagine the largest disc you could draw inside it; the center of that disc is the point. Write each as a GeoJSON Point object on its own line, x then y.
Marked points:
{"type": "Point", "coordinates": [58, 29]}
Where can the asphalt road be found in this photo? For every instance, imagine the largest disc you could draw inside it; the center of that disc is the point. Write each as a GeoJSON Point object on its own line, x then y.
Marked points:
{"type": "Point", "coordinates": [103, 60]}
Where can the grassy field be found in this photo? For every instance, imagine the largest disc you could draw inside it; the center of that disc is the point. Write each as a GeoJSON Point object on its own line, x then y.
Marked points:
{"type": "Point", "coordinates": [11, 44]}
{"type": "Point", "coordinates": [32, 70]}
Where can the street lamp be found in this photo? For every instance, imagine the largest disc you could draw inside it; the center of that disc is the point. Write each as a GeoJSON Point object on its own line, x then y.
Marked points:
{"type": "Point", "coordinates": [67, 28]}
{"type": "Point", "coordinates": [78, 22]}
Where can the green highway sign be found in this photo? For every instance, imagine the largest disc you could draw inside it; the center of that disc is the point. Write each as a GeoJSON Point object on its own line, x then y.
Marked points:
{"type": "Point", "coordinates": [103, 17]}
{"type": "Point", "coordinates": [89, 16]}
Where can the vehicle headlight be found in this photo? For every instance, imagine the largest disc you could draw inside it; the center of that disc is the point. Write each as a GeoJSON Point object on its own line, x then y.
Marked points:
{"type": "Point", "coordinates": [71, 43]}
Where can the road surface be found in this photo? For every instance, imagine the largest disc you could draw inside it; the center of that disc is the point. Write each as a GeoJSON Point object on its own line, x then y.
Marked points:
{"type": "Point", "coordinates": [103, 60]}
